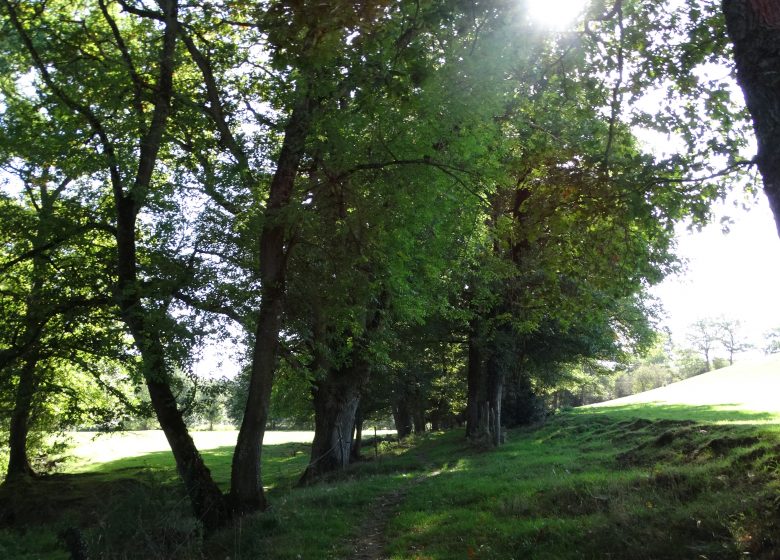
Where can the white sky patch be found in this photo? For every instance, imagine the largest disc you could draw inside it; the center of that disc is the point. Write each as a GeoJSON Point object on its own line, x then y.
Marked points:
{"type": "Point", "coordinates": [220, 356]}
{"type": "Point", "coordinates": [555, 14]}
{"type": "Point", "coordinates": [732, 275]}
{"type": "Point", "coordinates": [10, 184]}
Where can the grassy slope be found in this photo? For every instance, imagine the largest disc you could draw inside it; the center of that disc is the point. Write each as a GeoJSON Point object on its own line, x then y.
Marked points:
{"type": "Point", "coordinates": [743, 387]}
{"type": "Point", "coordinates": [670, 479]}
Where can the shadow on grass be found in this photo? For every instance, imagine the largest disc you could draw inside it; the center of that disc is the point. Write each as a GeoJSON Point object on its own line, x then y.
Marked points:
{"type": "Point", "coordinates": [699, 413]}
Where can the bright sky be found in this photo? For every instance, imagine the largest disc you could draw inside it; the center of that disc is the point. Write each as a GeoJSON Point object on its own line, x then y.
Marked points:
{"type": "Point", "coordinates": [554, 14]}
{"type": "Point", "coordinates": [733, 275]}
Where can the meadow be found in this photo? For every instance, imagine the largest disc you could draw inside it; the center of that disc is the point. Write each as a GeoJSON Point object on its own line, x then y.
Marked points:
{"type": "Point", "coordinates": [642, 480]}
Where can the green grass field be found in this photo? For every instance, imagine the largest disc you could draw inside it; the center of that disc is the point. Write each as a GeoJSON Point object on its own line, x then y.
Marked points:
{"type": "Point", "coordinates": [672, 476]}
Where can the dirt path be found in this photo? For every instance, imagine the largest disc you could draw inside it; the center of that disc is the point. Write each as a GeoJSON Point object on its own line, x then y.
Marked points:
{"type": "Point", "coordinates": [371, 540]}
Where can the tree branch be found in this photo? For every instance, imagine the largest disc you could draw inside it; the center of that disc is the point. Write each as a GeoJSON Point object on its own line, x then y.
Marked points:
{"type": "Point", "coordinates": [138, 84]}
{"type": "Point", "coordinates": [209, 306]}
{"type": "Point", "coordinates": [445, 168]}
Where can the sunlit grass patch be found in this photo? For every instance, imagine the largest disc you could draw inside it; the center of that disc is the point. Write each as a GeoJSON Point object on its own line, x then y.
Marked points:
{"type": "Point", "coordinates": [677, 482]}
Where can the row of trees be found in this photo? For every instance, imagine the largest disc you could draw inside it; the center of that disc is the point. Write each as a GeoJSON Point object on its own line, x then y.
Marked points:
{"type": "Point", "coordinates": [415, 206]}
{"type": "Point", "coordinates": [706, 336]}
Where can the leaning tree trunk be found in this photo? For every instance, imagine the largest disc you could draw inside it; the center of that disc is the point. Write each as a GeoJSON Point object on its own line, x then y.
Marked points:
{"type": "Point", "coordinates": [754, 28]}
{"type": "Point", "coordinates": [206, 498]}
{"type": "Point", "coordinates": [246, 490]}
{"type": "Point", "coordinates": [208, 502]}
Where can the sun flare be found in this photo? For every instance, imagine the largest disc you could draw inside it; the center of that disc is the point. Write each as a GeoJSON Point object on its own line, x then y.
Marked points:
{"type": "Point", "coordinates": [555, 14]}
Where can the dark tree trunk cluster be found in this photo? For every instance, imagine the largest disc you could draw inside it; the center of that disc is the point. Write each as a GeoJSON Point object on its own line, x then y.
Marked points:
{"type": "Point", "coordinates": [410, 406]}
{"type": "Point", "coordinates": [485, 394]}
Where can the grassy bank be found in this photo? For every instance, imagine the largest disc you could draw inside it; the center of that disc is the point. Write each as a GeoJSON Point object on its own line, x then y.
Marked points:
{"type": "Point", "coordinates": [637, 481]}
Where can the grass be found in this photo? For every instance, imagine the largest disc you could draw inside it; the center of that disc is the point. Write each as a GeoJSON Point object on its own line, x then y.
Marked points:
{"type": "Point", "coordinates": [653, 480]}
{"type": "Point", "coordinates": [593, 485]}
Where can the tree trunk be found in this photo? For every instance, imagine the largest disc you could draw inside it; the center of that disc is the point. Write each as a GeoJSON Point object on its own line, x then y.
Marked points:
{"type": "Point", "coordinates": [495, 391]}
{"type": "Point", "coordinates": [476, 418]}
{"type": "Point", "coordinates": [246, 490]}
{"type": "Point", "coordinates": [485, 390]}
{"type": "Point", "coordinates": [473, 375]}
{"type": "Point", "coordinates": [754, 28]}
{"type": "Point", "coordinates": [18, 462]}
{"type": "Point", "coordinates": [206, 498]}
{"type": "Point", "coordinates": [35, 317]}
{"type": "Point", "coordinates": [402, 417]}
{"type": "Point", "coordinates": [208, 502]}
{"type": "Point", "coordinates": [418, 417]}
{"type": "Point", "coordinates": [336, 400]}
{"type": "Point", "coordinates": [358, 437]}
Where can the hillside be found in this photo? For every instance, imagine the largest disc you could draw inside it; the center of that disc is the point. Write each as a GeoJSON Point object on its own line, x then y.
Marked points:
{"type": "Point", "coordinates": [743, 387]}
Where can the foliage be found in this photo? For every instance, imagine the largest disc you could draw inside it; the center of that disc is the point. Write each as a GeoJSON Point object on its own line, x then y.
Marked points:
{"type": "Point", "coordinates": [689, 363]}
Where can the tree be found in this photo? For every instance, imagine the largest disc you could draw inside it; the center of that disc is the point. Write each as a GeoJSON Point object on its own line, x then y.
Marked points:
{"type": "Point", "coordinates": [704, 336]}
{"type": "Point", "coordinates": [689, 363]}
{"type": "Point", "coordinates": [577, 228]}
{"type": "Point", "coordinates": [389, 212]}
{"type": "Point", "coordinates": [730, 339]}
{"type": "Point", "coordinates": [122, 150]}
{"type": "Point", "coordinates": [57, 326]}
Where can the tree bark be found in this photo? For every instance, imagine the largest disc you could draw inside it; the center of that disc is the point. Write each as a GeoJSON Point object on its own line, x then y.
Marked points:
{"type": "Point", "coordinates": [246, 491]}
{"type": "Point", "coordinates": [357, 439]}
{"type": "Point", "coordinates": [18, 461]}
{"type": "Point", "coordinates": [402, 417]}
{"type": "Point", "coordinates": [475, 420]}
{"type": "Point", "coordinates": [336, 399]}
{"type": "Point", "coordinates": [754, 28]}
{"type": "Point", "coordinates": [495, 390]}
